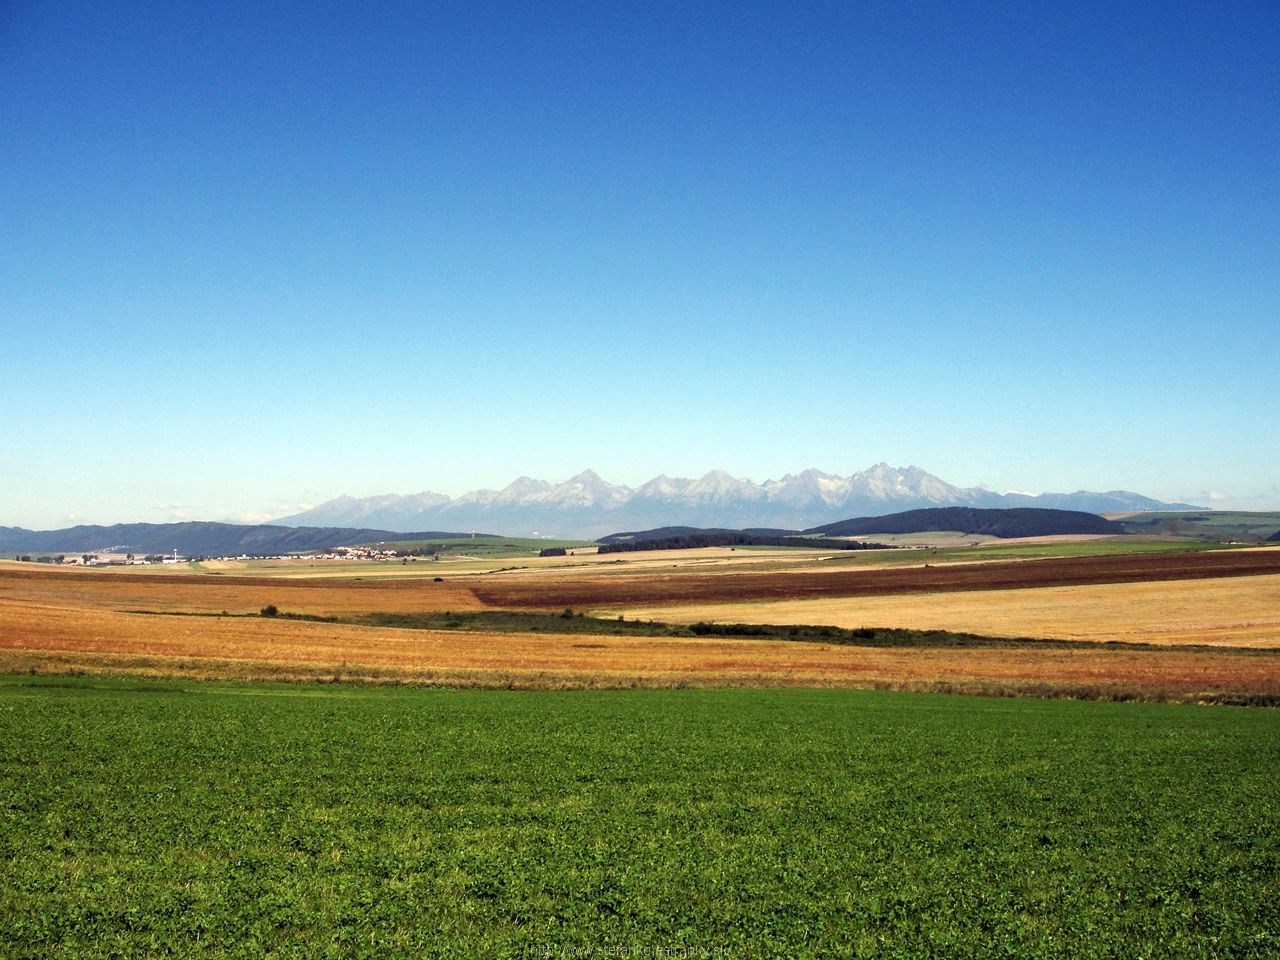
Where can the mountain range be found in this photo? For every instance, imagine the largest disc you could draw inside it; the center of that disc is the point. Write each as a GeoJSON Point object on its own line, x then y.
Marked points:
{"type": "Point", "coordinates": [192, 539]}
{"type": "Point", "coordinates": [588, 506]}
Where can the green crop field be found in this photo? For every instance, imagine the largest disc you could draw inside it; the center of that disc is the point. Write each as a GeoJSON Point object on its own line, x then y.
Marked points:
{"type": "Point", "coordinates": [995, 550]}
{"type": "Point", "coordinates": [485, 546]}
{"type": "Point", "coordinates": [271, 820]}
{"type": "Point", "coordinates": [1208, 525]}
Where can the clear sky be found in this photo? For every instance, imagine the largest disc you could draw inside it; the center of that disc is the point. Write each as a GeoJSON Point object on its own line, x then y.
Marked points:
{"type": "Point", "coordinates": [255, 255]}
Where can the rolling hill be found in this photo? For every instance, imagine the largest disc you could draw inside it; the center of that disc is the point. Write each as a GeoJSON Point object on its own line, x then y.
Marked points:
{"type": "Point", "coordinates": [195, 539]}
{"type": "Point", "coordinates": [1005, 524]}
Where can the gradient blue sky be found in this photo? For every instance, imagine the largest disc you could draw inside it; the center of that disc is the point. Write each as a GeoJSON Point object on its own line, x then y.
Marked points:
{"type": "Point", "coordinates": [256, 255]}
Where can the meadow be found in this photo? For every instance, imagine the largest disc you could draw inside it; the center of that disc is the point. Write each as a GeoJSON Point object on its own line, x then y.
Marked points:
{"type": "Point", "coordinates": [207, 820]}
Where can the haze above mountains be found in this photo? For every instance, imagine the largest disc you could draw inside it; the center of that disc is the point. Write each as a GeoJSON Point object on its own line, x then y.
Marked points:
{"type": "Point", "coordinates": [588, 506]}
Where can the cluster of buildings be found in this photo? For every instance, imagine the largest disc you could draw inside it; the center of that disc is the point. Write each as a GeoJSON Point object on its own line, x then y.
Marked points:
{"type": "Point", "coordinates": [108, 559]}
{"type": "Point", "coordinates": [357, 553]}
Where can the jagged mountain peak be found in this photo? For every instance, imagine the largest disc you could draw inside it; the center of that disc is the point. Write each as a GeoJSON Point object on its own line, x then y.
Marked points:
{"type": "Point", "coordinates": [587, 505]}
{"type": "Point", "coordinates": [588, 489]}
{"type": "Point", "coordinates": [587, 480]}
{"type": "Point", "coordinates": [525, 487]}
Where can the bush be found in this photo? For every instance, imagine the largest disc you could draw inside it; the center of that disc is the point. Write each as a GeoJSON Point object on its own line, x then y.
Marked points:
{"type": "Point", "coordinates": [269, 611]}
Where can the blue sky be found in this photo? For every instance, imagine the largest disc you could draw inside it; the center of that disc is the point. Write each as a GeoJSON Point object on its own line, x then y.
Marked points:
{"type": "Point", "coordinates": [256, 255]}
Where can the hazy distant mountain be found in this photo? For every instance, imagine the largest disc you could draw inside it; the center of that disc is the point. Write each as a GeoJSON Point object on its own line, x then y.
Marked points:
{"type": "Point", "coordinates": [587, 506]}
{"type": "Point", "coordinates": [192, 539]}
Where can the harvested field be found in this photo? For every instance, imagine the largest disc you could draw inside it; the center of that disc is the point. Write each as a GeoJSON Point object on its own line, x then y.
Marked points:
{"type": "Point", "coordinates": [210, 594]}
{"type": "Point", "coordinates": [246, 648]}
{"type": "Point", "coordinates": [46, 638]}
{"type": "Point", "coordinates": [622, 591]}
{"type": "Point", "coordinates": [1233, 612]}
{"type": "Point", "coordinates": [61, 620]}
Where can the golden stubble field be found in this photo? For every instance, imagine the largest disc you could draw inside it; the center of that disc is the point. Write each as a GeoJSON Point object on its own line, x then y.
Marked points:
{"type": "Point", "coordinates": [1228, 612]}
{"type": "Point", "coordinates": [59, 620]}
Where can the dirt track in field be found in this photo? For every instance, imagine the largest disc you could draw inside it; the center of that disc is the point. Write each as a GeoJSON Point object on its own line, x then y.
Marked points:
{"type": "Point", "coordinates": [619, 591]}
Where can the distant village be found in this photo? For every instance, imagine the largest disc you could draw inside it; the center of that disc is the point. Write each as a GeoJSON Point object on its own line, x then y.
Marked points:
{"type": "Point", "coordinates": [114, 559]}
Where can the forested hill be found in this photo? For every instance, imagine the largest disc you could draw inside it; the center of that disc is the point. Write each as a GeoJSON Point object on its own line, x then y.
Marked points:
{"type": "Point", "coordinates": [1017, 522]}
{"type": "Point", "coordinates": [665, 533]}
{"type": "Point", "coordinates": [735, 539]}
{"type": "Point", "coordinates": [197, 539]}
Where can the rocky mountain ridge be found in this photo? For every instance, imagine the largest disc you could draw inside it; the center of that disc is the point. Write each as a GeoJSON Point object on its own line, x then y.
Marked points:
{"type": "Point", "coordinates": [588, 506]}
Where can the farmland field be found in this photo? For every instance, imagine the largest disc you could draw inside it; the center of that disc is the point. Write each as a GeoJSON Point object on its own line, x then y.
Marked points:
{"type": "Point", "coordinates": [1239, 611]}
{"type": "Point", "coordinates": [1205, 622]}
{"type": "Point", "coordinates": [281, 820]}
{"type": "Point", "coordinates": [153, 809]}
{"type": "Point", "coordinates": [1205, 525]}
{"type": "Point", "coordinates": [620, 587]}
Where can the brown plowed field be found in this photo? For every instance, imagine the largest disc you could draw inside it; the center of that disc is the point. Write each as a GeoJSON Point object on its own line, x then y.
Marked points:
{"type": "Point", "coordinates": [692, 588]}
{"type": "Point", "coordinates": [58, 620]}
{"type": "Point", "coordinates": [591, 587]}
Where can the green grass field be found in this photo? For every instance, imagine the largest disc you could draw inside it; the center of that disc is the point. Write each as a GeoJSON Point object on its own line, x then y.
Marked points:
{"type": "Point", "coordinates": [1088, 548]}
{"type": "Point", "coordinates": [995, 550]}
{"type": "Point", "coordinates": [487, 547]}
{"type": "Point", "coordinates": [1221, 525]}
{"type": "Point", "coordinates": [272, 820]}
